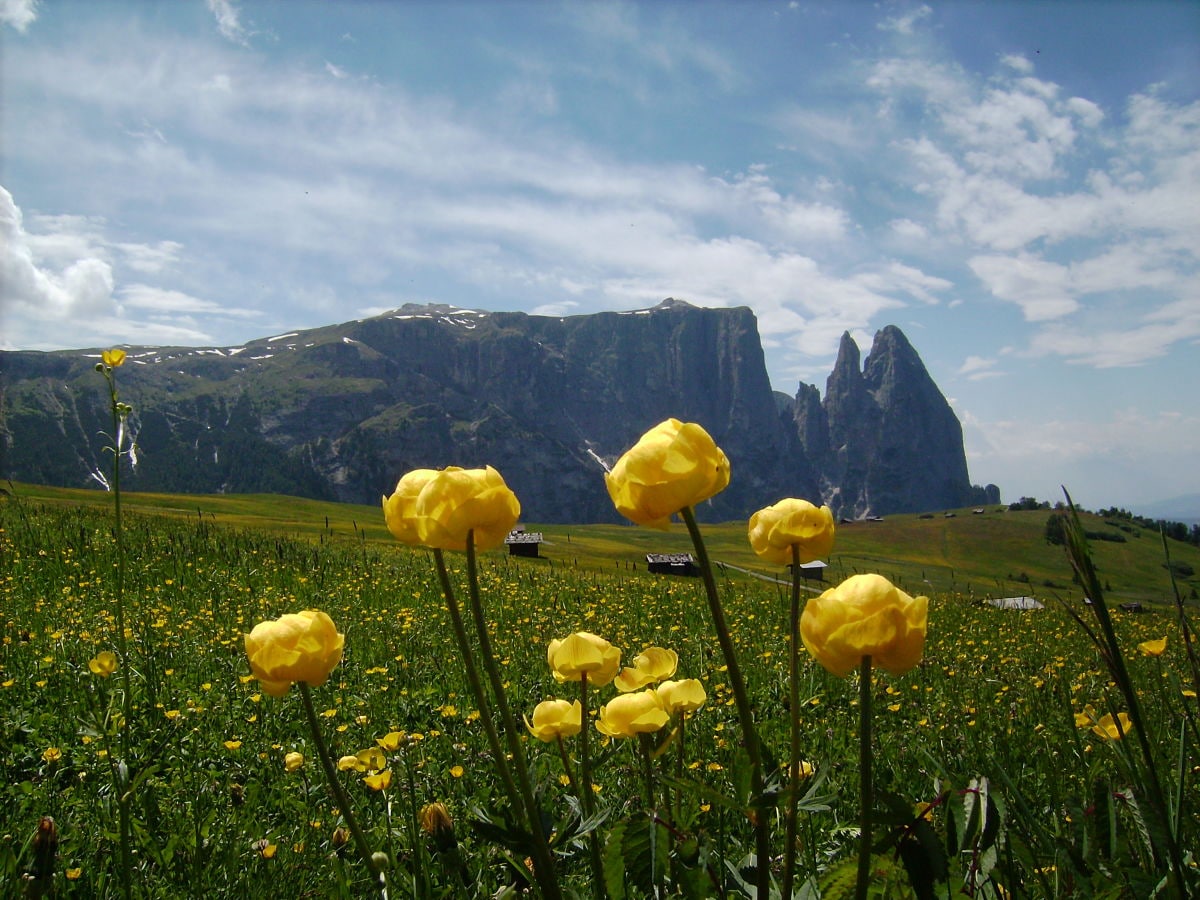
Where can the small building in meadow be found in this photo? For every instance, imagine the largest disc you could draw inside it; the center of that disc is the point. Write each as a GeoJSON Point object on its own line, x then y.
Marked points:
{"type": "Point", "coordinates": [672, 564]}
{"type": "Point", "coordinates": [812, 571]}
{"type": "Point", "coordinates": [523, 543]}
{"type": "Point", "coordinates": [1016, 603]}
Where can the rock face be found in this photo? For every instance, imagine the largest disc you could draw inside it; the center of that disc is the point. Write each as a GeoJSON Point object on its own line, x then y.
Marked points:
{"type": "Point", "coordinates": [341, 412]}
{"type": "Point", "coordinates": [885, 439]}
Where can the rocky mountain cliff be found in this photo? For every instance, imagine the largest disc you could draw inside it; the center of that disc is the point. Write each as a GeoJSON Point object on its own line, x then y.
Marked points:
{"type": "Point", "coordinates": [341, 412]}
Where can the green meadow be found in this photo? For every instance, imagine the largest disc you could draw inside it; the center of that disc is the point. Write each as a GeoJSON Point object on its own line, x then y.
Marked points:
{"type": "Point", "coordinates": [990, 774]}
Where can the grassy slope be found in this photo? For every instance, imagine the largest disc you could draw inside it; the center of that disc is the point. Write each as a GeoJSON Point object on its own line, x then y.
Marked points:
{"type": "Point", "coordinates": [982, 554]}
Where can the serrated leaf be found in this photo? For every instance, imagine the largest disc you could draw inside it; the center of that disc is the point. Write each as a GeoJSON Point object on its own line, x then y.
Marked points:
{"type": "Point", "coordinates": [635, 857]}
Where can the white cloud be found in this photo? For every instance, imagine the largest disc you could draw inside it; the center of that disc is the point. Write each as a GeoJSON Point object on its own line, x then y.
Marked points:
{"type": "Point", "coordinates": [335, 71]}
{"type": "Point", "coordinates": [151, 258]}
{"type": "Point", "coordinates": [68, 288]}
{"type": "Point", "coordinates": [1038, 287]}
{"type": "Point", "coordinates": [228, 20]}
{"type": "Point", "coordinates": [1127, 454]}
{"type": "Point", "coordinates": [976, 367]}
{"type": "Point", "coordinates": [19, 14]}
{"type": "Point", "coordinates": [905, 23]}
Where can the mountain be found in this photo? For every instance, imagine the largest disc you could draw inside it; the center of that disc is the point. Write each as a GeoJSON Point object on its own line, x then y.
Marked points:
{"type": "Point", "coordinates": [341, 412]}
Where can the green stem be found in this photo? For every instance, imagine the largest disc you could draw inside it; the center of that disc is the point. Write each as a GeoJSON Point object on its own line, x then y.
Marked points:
{"type": "Point", "coordinates": [339, 793]}
{"type": "Point", "coordinates": [1081, 559]}
{"type": "Point", "coordinates": [587, 799]}
{"type": "Point", "coordinates": [762, 836]}
{"type": "Point", "coordinates": [646, 746]}
{"type": "Point", "coordinates": [476, 683]}
{"type": "Point", "coordinates": [123, 795]}
{"type": "Point", "coordinates": [544, 870]}
{"type": "Point", "coordinates": [566, 761]}
{"type": "Point", "coordinates": [866, 789]}
{"type": "Point", "coordinates": [793, 792]}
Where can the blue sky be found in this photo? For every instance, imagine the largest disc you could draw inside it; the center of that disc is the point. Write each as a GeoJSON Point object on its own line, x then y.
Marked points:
{"type": "Point", "coordinates": [1015, 185]}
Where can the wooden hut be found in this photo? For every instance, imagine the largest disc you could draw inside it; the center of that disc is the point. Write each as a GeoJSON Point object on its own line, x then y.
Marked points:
{"type": "Point", "coordinates": [523, 543]}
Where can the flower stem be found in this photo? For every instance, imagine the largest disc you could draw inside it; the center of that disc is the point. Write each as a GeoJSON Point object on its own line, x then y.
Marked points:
{"type": "Point", "coordinates": [586, 798]}
{"type": "Point", "coordinates": [339, 793]}
{"type": "Point", "coordinates": [124, 797]}
{"type": "Point", "coordinates": [762, 836]}
{"type": "Point", "coordinates": [789, 858]}
{"type": "Point", "coordinates": [476, 683]}
{"type": "Point", "coordinates": [866, 789]}
{"type": "Point", "coordinates": [544, 870]}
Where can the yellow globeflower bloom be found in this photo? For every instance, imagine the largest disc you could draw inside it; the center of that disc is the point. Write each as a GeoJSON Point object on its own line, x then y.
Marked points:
{"type": "Point", "coordinates": [681, 696]}
{"type": "Point", "coordinates": [1153, 648]}
{"type": "Point", "coordinates": [103, 663]}
{"type": "Point", "coordinates": [629, 714]}
{"type": "Point", "coordinates": [1106, 726]}
{"type": "Point", "coordinates": [652, 665]}
{"type": "Point", "coordinates": [399, 509]}
{"type": "Point", "coordinates": [774, 530]}
{"type": "Point", "coordinates": [380, 782]}
{"type": "Point", "coordinates": [293, 762]}
{"type": "Point", "coordinates": [440, 508]}
{"type": "Point", "coordinates": [866, 615]}
{"type": "Point", "coordinates": [113, 358]}
{"type": "Point", "coordinates": [584, 652]}
{"type": "Point", "coordinates": [673, 465]}
{"type": "Point", "coordinates": [554, 719]}
{"type": "Point", "coordinates": [303, 646]}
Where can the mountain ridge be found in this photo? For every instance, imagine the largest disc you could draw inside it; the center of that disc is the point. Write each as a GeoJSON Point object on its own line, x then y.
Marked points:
{"type": "Point", "coordinates": [340, 411]}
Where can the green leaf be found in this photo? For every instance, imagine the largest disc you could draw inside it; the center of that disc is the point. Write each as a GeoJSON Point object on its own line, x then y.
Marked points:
{"type": "Point", "coordinates": [635, 857]}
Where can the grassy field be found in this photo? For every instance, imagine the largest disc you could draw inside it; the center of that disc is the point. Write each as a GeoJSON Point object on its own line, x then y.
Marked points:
{"type": "Point", "coordinates": [999, 553]}
{"type": "Point", "coordinates": [981, 742]}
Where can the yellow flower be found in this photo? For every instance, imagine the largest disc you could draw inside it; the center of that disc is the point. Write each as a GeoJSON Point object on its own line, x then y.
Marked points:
{"type": "Point", "coordinates": [380, 782]}
{"type": "Point", "coordinates": [304, 646]}
{"type": "Point", "coordinates": [804, 770]}
{"type": "Point", "coordinates": [440, 508]}
{"type": "Point", "coordinates": [673, 465]}
{"type": "Point", "coordinates": [350, 763]}
{"type": "Point", "coordinates": [584, 652]}
{"type": "Point", "coordinates": [652, 665]}
{"type": "Point", "coordinates": [103, 663]}
{"type": "Point", "coordinates": [391, 741]}
{"type": "Point", "coordinates": [399, 510]}
{"type": "Point", "coordinates": [113, 358]}
{"type": "Point", "coordinates": [774, 530]}
{"type": "Point", "coordinates": [52, 754]}
{"type": "Point", "coordinates": [73, 874]}
{"type": "Point", "coordinates": [553, 719]}
{"type": "Point", "coordinates": [1153, 648]}
{"type": "Point", "coordinates": [866, 615]}
{"type": "Point", "coordinates": [293, 762]}
{"type": "Point", "coordinates": [1106, 727]}
{"type": "Point", "coordinates": [372, 758]}
{"type": "Point", "coordinates": [681, 696]}
{"type": "Point", "coordinates": [233, 745]}
{"type": "Point", "coordinates": [629, 714]}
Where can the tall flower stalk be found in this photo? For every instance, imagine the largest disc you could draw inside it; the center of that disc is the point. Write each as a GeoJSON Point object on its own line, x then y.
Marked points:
{"type": "Point", "coordinates": [303, 649]}
{"type": "Point", "coordinates": [468, 510]}
{"type": "Point", "coordinates": [863, 621]}
{"type": "Point", "coordinates": [110, 361]}
{"type": "Point", "coordinates": [671, 468]}
{"type": "Point", "coordinates": [760, 815]}
{"type": "Point", "coordinates": [792, 532]}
